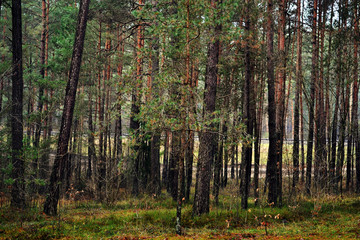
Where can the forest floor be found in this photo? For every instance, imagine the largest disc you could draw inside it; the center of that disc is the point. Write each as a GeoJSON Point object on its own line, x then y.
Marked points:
{"type": "Point", "coordinates": [324, 217]}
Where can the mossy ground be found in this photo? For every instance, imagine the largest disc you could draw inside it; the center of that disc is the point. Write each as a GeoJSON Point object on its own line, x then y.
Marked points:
{"type": "Point", "coordinates": [325, 217]}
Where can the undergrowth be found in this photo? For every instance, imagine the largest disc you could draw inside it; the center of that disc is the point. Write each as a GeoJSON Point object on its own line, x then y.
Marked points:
{"type": "Point", "coordinates": [146, 217]}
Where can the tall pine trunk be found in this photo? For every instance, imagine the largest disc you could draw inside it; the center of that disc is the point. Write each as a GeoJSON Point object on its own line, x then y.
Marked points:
{"type": "Point", "coordinates": [50, 206]}
{"type": "Point", "coordinates": [135, 110]}
{"type": "Point", "coordinates": [155, 180]}
{"type": "Point", "coordinates": [207, 138]}
{"type": "Point", "coordinates": [354, 110]}
{"type": "Point", "coordinates": [309, 155]}
{"type": "Point", "coordinates": [271, 168]}
{"type": "Point", "coordinates": [18, 187]}
{"type": "Point", "coordinates": [355, 99]}
{"type": "Point", "coordinates": [248, 112]}
{"type": "Point", "coordinates": [280, 97]}
{"type": "Point", "coordinates": [297, 99]}
{"type": "Point", "coordinates": [91, 141]}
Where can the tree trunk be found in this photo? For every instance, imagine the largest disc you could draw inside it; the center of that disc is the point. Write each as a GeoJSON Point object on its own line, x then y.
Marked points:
{"type": "Point", "coordinates": [271, 168]}
{"type": "Point", "coordinates": [50, 206]}
{"type": "Point", "coordinates": [118, 126]}
{"type": "Point", "coordinates": [355, 99]}
{"type": "Point", "coordinates": [297, 99]}
{"type": "Point", "coordinates": [44, 157]}
{"type": "Point", "coordinates": [173, 164]}
{"type": "Point", "coordinates": [102, 139]}
{"type": "Point", "coordinates": [155, 188]}
{"type": "Point", "coordinates": [91, 141]}
{"type": "Point", "coordinates": [248, 113]}
{"type": "Point", "coordinates": [225, 158]}
{"type": "Point", "coordinates": [135, 110]}
{"type": "Point", "coordinates": [109, 167]}
{"type": "Point", "coordinates": [2, 60]}
{"type": "Point", "coordinates": [189, 157]}
{"type": "Point", "coordinates": [207, 138]}
{"type": "Point", "coordinates": [165, 171]}
{"type": "Point", "coordinates": [280, 97]}
{"type": "Point", "coordinates": [320, 168]}
{"type": "Point", "coordinates": [341, 143]}
{"type": "Point", "coordinates": [354, 110]}
{"type": "Point", "coordinates": [332, 161]}
{"type": "Point", "coordinates": [180, 183]}
{"type": "Point", "coordinates": [258, 130]}
{"type": "Point", "coordinates": [219, 147]}
{"type": "Point", "coordinates": [344, 98]}
{"type": "Point", "coordinates": [18, 187]}
{"type": "Point", "coordinates": [41, 87]}
{"type": "Point", "coordinates": [155, 185]}
{"type": "Point", "coordinates": [327, 107]}
{"type": "Point", "coordinates": [309, 155]}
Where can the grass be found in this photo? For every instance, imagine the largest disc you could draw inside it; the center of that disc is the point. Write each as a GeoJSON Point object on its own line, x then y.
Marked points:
{"type": "Point", "coordinates": [148, 218]}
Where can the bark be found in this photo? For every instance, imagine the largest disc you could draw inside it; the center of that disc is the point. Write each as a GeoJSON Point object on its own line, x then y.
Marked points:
{"type": "Point", "coordinates": [225, 132]}
{"type": "Point", "coordinates": [232, 164]}
{"type": "Point", "coordinates": [44, 157]}
{"type": "Point", "coordinates": [272, 154]}
{"type": "Point", "coordinates": [180, 183]}
{"type": "Point", "coordinates": [320, 168]}
{"type": "Point", "coordinates": [332, 174]}
{"type": "Point", "coordinates": [155, 165]}
{"type": "Point", "coordinates": [309, 156]}
{"type": "Point", "coordinates": [354, 110]}
{"type": "Point", "coordinates": [207, 138]}
{"type": "Point", "coordinates": [165, 171]}
{"type": "Point", "coordinates": [135, 109]}
{"type": "Point", "coordinates": [297, 99]}
{"type": "Point", "coordinates": [173, 164]}
{"type": "Point", "coordinates": [155, 184]}
{"type": "Point", "coordinates": [280, 97]}
{"type": "Point", "coordinates": [302, 132]}
{"type": "Point", "coordinates": [344, 100]}
{"type": "Point", "coordinates": [91, 141]}
{"type": "Point", "coordinates": [257, 143]}
{"type": "Point", "coordinates": [71, 170]}
{"type": "Point", "coordinates": [102, 139]}
{"type": "Point", "coordinates": [189, 157]}
{"type": "Point", "coordinates": [355, 99]}
{"type": "Point", "coordinates": [225, 156]}
{"type": "Point", "coordinates": [18, 187]}
{"type": "Point", "coordinates": [101, 168]}
{"type": "Point", "coordinates": [50, 206]}
{"type": "Point", "coordinates": [349, 157]}
{"type": "Point", "coordinates": [218, 162]}
{"type": "Point", "coordinates": [109, 165]}
{"type": "Point", "coordinates": [341, 143]}
{"type": "Point", "coordinates": [2, 60]}
{"type": "Point", "coordinates": [328, 113]}
{"type": "Point", "coordinates": [118, 131]}
{"type": "Point", "coordinates": [40, 106]}
{"type": "Point", "coordinates": [41, 86]}
{"type": "Point", "coordinates": [248, 113]}
{"type": "Point", "coordinates": [190, 148]}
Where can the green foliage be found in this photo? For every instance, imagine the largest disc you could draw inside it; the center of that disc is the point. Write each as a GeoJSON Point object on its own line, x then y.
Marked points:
{"type": "Point", "coordinates": [62, 36]}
